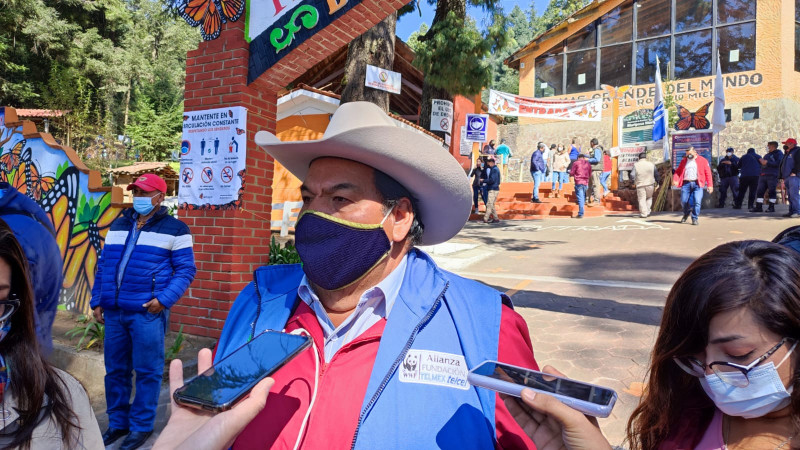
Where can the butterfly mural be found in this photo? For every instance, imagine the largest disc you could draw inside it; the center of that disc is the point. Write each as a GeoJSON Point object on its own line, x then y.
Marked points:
{"type": "Point", "coordinates": [209, 15]}
{"type": "Point", "coordinates": [696, 120]}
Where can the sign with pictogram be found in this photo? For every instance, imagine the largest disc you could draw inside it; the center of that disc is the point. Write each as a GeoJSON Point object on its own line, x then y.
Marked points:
{"type": "Point", "coordinates": [226, 174]}
{"type": "Point", "coordinates": [207, 175]}
{"type": "Point", "coordinates": [477, 127]}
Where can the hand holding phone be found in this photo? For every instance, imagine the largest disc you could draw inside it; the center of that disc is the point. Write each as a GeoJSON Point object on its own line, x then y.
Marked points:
{"type": "Point", "coordinates": [191, 428]}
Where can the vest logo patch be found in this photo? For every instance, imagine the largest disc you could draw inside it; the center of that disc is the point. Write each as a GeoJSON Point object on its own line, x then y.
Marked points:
{"type": "Point", "coordinates": [434, 368]}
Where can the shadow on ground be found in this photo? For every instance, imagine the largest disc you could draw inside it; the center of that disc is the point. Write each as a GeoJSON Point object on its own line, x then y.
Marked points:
{"type": "Point", "coordinates": [652, 266]}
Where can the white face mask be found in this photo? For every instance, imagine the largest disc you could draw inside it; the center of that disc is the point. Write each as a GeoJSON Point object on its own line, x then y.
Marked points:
{"type": "Point", "coordinates": [765, 393]}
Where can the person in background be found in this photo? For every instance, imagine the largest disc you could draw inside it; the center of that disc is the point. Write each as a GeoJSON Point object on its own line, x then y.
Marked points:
{"type": "Point", "coordinates": [606, 175]}
{"type": "Point", "coordinates": [768, 180]}
{"type": "Point", "coordinates": [504, 153]}
{"type": "Point", "coordinates": [728, 169]}
{"type": "Point", "coordinates": [645, 178]}
{"type": "Point", "coordinates": [489, 149]}
{"type": "Point", "coordinates": [574, 150]}
{"type": "Point", "coordinates": [581, 170]}
{"type": "Point", "coordinates": [548, 159]}
{"type": "Point", "coordinates": [789, 171]}
{"type": "Point", "coordinates": [749, 170]}
{"type": "Point", "coordinates": [36, 236]}
{"type": "Point", "coordinates": [596, 160]}
{"type": "Point", "coordinates": [492, 186]}
{"type": "Point", "coordinates": [146, 265]}
{"type": "Point", "coordinates": [560, 164]}
{"type": "Point", "coordinates": [693, 175]}
{"type": "Point", "coordinates": [538, 169]}
{"type": "Point", "coordinates": [477, 176]}
{"type": "Point", "coordinates": [725, 369]}
{"type": "Point", "coordinates": [42, 407]}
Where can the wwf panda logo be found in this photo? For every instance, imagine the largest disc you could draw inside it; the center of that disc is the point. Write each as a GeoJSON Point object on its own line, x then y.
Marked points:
{"type": "Point", "coordinates": [410, 364]}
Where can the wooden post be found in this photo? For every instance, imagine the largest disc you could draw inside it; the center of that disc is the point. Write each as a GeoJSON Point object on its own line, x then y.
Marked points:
{"type": "Point", "coordinates": [476, 146]}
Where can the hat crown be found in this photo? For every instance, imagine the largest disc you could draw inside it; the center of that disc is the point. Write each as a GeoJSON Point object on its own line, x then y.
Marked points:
{"type": "Point", "coordinates": [354, 115]}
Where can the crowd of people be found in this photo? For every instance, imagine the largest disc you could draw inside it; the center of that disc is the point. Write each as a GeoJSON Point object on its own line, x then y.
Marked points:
{"type": "Point", "coordinates": [724, 373]}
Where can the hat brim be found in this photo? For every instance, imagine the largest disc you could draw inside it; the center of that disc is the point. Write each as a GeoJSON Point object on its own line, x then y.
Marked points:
{"type": "Point", "coordinates": [418, 163]}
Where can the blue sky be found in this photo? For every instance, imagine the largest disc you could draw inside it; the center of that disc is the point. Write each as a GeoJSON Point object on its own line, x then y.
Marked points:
{"type": "Point", "coordinates": [411, 22]}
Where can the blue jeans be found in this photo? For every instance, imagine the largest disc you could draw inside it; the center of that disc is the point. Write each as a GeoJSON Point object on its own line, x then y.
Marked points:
{"type": "Point", "coordinates": [559, 180]}
{"type": "Point", "coordinates": [793, 191]}
{"type": "Point", "coordinates": [692, 199]}
{"type": "Point", "coordinates": [604, 181]}
{"type": "Point", "coordinates": [726, 183]}
{"type": "Point", "coordinates": [538, 177]}
{"type": "Point", "coordinates": [475, 191]}
{"type": "Point", "coordinates": [133, 341]}
{"type": "Point", "coordinates": [580, 192]}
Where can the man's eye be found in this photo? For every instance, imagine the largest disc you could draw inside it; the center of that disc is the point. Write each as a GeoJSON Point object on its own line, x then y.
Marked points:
{"type": "Point", "coordinates": [339, 199]}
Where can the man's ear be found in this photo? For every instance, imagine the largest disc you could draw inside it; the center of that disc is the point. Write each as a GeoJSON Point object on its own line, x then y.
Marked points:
{"type": "Point", "coordinates": [403, 219]}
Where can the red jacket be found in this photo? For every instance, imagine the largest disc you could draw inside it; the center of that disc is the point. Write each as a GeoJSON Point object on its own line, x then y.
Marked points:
{"type": "Point", "coordinates": [581, 171]}
{"type": "Point", "coordinates": [704, 177]}
{"type": "Point", "coordinates": [343, 382]}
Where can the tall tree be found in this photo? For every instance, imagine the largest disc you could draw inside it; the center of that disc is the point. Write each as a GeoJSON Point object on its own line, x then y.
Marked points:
{"type": "Point", "coordinates": [375, 48]}
{"type": "Point", "coordinates": [452, 54]}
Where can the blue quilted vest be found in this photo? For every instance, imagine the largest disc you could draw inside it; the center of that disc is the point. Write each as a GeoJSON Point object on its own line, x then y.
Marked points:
{"type": "Point", "coordinates": [435, 311]}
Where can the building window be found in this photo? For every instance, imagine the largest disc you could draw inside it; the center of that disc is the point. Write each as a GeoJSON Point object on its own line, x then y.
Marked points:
{"type": "Point", "coordinates": [653, 18]}
{"type": "Point", "coordinates": [646, 52]}
{"type": "Point", "coordinates": [549, 75]}
{"type": "Point", "coordinates": [616, 67]}
{"type": "Point", "coordinates": [750, 113]}
{"type": "Point", "coordinates": [727, 115]}
{"type": "Point", "coordinates": [581, 71]}
{"type": "Point", "coordinates": [586, 38]}
{"type": "Point", "coordinates": [617, 25]}
{"type": "Point", "coordinates": [737, 47]}
{"type": "Point", "coordinates": [729, 11]}
{"type": "Point", "coordinates": [693, 14]}
{"type": "Point", "coordinates": [693, 54]}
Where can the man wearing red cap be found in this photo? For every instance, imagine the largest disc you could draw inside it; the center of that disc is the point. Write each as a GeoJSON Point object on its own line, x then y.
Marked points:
{"type": "Point", "coordinates": [790, 169]}
{"type": "Point", "coordinates": [146, 265]}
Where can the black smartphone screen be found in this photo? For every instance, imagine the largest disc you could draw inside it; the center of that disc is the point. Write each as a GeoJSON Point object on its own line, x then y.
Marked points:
{"type": "Point", "coordinates": [550, 384]}
{"type": "Point", "coordinates": [234, 376]}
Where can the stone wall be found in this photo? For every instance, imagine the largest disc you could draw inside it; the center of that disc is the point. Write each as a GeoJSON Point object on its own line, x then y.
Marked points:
{"type": "Point", "coordinates": [778, 119]}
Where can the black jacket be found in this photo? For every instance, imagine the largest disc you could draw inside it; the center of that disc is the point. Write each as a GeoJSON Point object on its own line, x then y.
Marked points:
{"type": "Point", "coordinates": [728, 170]}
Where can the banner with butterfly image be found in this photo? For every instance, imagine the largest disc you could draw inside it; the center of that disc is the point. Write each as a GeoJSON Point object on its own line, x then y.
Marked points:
{"type": "Point", "coordinates": [213, 158]}
{"type": "Point", "coordinates": [505, 104]}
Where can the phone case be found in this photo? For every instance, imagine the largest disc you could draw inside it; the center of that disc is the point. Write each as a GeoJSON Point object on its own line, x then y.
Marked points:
{"type": "Point", "coordinates": [197, 403]}
{"type": "Point", "coordinates": [514, 389]}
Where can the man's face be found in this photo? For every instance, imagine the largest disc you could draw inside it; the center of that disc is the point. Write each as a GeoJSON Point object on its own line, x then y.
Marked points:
{"type": "Point", "coordinates": [791, 145]}
{"type": "Point", "coordinates": [692, 153]}
{"type": "Point", "coordinates": [491, 163]}
{"type": "Point", "coordinates": [343, 189]}
{"type": "Point", "coordinates": [772, 148]}
{"type": "Point", "coordinates": [156, 197]}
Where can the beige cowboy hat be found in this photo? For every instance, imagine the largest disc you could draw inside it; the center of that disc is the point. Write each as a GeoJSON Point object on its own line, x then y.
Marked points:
{"type": "Point", "coordinates": [362, 132]}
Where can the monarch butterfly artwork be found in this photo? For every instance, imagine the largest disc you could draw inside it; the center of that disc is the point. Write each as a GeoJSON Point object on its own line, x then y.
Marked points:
{"type": "Point", "coordinates": [27, 178]}
{"type": "Point", "coordinates": [239, 131]}
{"type": "Point", "coordinates": [211, 14]}
{"type": "Point", "coordinates": [10, 161]}
{"type": "Point", "coordinates": [696, 120]}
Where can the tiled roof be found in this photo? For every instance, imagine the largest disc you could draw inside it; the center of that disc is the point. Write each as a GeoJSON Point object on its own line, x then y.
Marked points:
{"type": "Point", "coordinates": [41, 112]}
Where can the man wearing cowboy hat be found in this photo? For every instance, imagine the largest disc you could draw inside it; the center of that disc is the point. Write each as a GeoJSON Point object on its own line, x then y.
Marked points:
{"type": "Point", "coordinates": [394, 334]}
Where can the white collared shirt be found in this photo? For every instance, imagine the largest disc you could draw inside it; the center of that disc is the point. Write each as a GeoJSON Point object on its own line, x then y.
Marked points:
{"type": "Point", "coordinates": [375, 304]}
{"type": "Point", "coordinates": [690, 171]}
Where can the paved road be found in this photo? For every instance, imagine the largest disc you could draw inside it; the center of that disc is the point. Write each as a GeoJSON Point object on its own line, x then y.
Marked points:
{"type": "Point", "coordinates": [592, 290]}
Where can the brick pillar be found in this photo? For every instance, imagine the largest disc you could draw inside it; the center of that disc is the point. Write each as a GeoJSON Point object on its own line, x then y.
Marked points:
{"type": "Point", "coordinates": [228, 245]}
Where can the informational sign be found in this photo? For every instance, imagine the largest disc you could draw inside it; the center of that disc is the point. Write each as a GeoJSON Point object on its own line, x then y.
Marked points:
{"type": "Point", "coordinates": [213, 155]}
{"type": "Point", "coordinates": [276, 27]}
{"type": "Point", "coordinates": [505, 104]}
{"type": "Point", "coordinates": [383, 79]}
{"type": "Point", "coordinates": [628, 156]}
{"type": "Point", "coordinates": [477, 127]}
{"type": "Point", "coordinates": [700, 140]}
{"type": "Point", "coordinates": [465, 146]}
{"type": "Point", "coordinates": [442, 115]}
{"type": "Point", "coordinates": [637, 127]}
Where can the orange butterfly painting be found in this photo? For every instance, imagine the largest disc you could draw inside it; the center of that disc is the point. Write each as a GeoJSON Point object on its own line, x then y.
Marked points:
{"type": "Point", "coordinates": [10, 161]}
{"type": "Point", "coordinates": [211, 14]}
{"type": "Point", "coordinates": [696, 120]}
{"type": "Point", "coordinates": [28, 180]}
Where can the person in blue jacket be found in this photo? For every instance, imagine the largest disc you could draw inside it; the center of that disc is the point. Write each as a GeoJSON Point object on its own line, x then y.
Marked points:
{"type": "Point", "coordinates": [750, 169]}
{"type": "Point", "coordinates": [146, 265]}
{"type": "Point", "coordinates": [789, 172]}
{"type": "Point", "coordinates": [538, 169]}
{"type": "Point", "coordinates": [768, 181]}
{"type": "Point", "coordinates": [36, 236]}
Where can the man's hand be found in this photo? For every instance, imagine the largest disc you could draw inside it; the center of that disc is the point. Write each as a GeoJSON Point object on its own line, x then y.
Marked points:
{"type": "Point", "coordinates": [98, 315]}
{"type": "Point", "coordinates": [726, 162]}
{"type": "Point", "coordinates": [763, 161]}
{"type": "Point", "coordinates": [192, 429]}
{"type": "Point", "coordinates": [710, 189]}
{"type": "Point", "coordinates": [153, 306]}
{"type": "Point", "coordinates": [553, 425]}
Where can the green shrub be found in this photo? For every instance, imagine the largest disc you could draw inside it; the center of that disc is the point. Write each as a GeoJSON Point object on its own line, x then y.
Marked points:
{"type": "Point", "coordinates": [282, 255]}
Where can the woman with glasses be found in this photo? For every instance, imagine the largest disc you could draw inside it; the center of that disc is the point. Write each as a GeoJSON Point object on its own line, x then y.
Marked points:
{"type": "Point", "coordinates": [40, 407]}
{"type": "Point", "coordinates": [725, 369]}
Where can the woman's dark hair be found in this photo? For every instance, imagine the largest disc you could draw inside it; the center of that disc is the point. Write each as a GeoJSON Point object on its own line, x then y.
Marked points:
{"type": "Point", "coordinates": [32, 379]}
{"type": "Point", "coordinates": [761, 276]}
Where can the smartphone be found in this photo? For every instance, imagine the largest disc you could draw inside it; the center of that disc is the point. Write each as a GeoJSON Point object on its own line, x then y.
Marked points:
{"type": "Point", "coordinates": [231, 379]}
{"type": "Point", "coordinates": [587, 398]}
